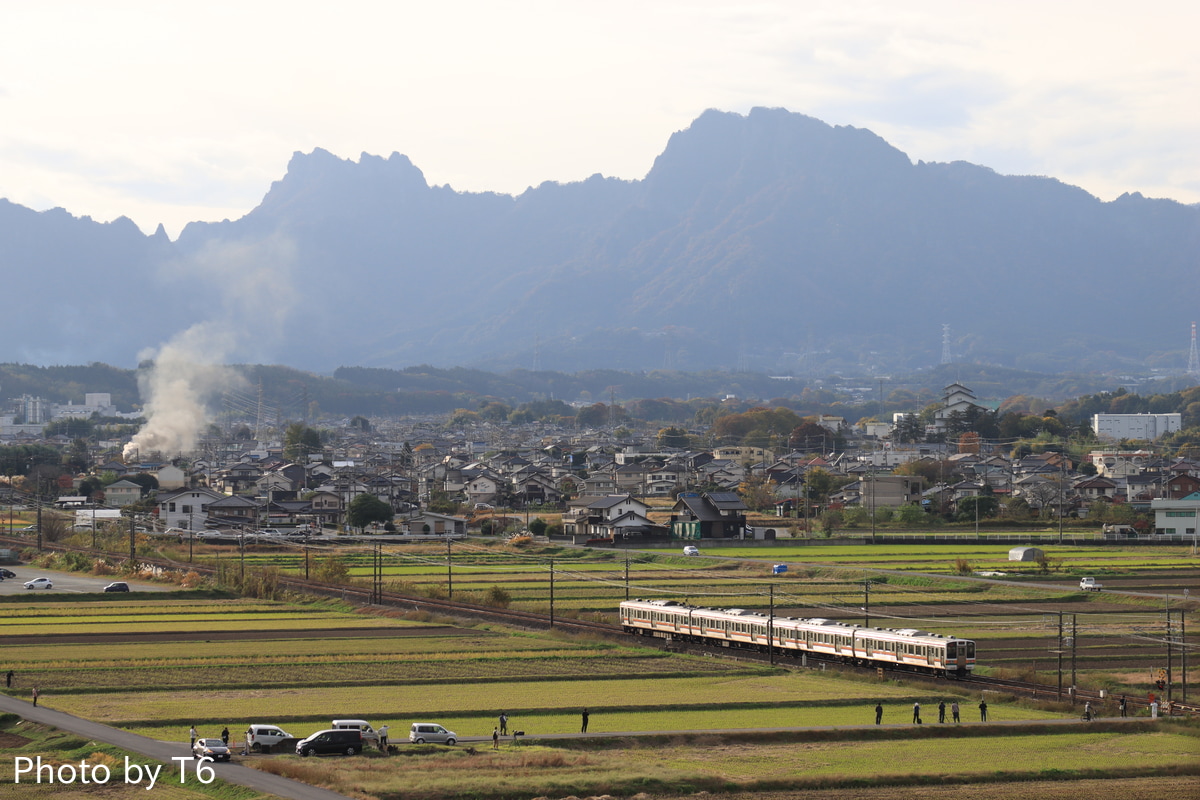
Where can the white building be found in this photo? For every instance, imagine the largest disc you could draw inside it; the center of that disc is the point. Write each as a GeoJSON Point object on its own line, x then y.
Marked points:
{"type": "Point", "coordinates": [1135, 426]}
{"type": "Point", "coordinates": [1176, 517]}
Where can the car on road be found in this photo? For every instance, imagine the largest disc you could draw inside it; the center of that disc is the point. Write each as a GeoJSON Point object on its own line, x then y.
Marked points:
{"type": "Point", "coordinates": [264, 737]}
{"type": "Point", "coordinates": [335, 740]}
{"type": "Point", "coordinates": [691, 550]}
{"type": "Point", "coordinates": [39, 583]}
{"type": "Point", "coordinates": [431, 732]}
{"type": "Point", "coordinates": [215, 749]}
{"type": "Point", "coordinates": [7, 573]}
{"type": "Point", "coordinates": [117, 586]}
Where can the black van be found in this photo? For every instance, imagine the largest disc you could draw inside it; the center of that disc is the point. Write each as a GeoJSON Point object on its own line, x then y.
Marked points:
{"type": "Point", "coordinates": [342, 740]}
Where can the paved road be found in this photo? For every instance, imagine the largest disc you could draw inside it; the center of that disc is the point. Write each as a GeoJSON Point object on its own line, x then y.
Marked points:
{"type": "Point", "coordinates": [163, 752]}
{"type": "Point", "coordinates": [70, 582]}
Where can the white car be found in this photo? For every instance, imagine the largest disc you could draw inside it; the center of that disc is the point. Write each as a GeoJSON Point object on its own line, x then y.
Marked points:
{"type": "Point", "coordinates": [39, 583]}
{"type": "Point", "coordinates": [691, 550]}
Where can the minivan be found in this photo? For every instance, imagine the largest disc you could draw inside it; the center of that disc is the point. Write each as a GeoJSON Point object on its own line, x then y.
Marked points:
{"type": "Point", "coordinates": [337, 740]}
{"type": "Point", "coordinates": [368, 733]}
{"type": "Point", "coordinates": [264, 737]}
{"type": "Point", "coordinates": [422, 732]}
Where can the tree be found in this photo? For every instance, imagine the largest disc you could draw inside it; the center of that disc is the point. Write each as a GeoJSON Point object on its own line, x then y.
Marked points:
{"type": "Point", "coordinates": [911, 514]}
{"type": "Point", "coordinates": [757, 493]}
{"type": "Point", "coordinates": [299, 440]}
{"type": "Point", "coordinates": [673, 437]}
{"type": "Point", "coordinates": [148, 482]}
{"type": "Point", "coordinates": [367, 508]}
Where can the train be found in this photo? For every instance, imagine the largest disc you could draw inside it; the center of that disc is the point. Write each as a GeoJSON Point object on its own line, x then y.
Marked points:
{"type": "Point", "coordinates": [903, 648]}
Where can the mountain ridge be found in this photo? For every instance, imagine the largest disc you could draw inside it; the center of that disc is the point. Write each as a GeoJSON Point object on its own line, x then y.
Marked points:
{"type": "Point", "coordinates": [770, 240]}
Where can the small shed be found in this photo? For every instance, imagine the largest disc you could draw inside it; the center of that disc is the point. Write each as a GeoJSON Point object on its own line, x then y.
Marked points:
{"type": "Point", "coordinates": [1026, 554]}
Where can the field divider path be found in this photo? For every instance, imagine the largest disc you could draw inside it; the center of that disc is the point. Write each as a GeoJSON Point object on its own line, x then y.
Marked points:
{"type": "Point", "coordinates": [165, 751]}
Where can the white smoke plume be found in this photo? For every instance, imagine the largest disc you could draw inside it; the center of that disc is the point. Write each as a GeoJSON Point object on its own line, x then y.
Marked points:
{"type": "Point", "coordinates": [178, 388]}
{"type": "Point", "coordinates": [189, 371]}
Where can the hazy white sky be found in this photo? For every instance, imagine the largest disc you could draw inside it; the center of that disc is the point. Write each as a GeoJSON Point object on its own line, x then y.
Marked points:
{"type": "Point", "coordinates": [177, 111]}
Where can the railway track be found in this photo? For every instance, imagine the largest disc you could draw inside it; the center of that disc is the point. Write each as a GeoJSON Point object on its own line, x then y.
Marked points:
{"type": "Point", "coordinates": [367, 596]}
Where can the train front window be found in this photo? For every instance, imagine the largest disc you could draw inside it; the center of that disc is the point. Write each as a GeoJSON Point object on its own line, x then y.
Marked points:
{"type": "Point", "coordinates": [951, 650]}
{"type": "Point", "coordinates": [970, 649]}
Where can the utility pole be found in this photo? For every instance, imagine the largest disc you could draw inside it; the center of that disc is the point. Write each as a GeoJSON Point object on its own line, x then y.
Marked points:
{"type": "Point", "coordinates": [866, 603]}
{"type": "Point", "coordinates": [449, 570]}
{"type": "Point", "coordinates": [377, 573]}
{"type": "Point", "coordinates": [1074, 639]}
{"type": "Point", "coordinates": [1169, 650]}
{"type": "Point", "coordinates": [627, 576]}
{"type": "Point", "coordinates": [552, 593]}
{"type": "Point", "coordinates": [132, 542]}
{"type": "Point", "coordinates": [771, 627]}
{"type": "Point", "coordinates": [1059, 651]}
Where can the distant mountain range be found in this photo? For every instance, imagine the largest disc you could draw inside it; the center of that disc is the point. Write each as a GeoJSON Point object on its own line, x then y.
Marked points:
{"type": "Point", "coordinates": [771, 242]}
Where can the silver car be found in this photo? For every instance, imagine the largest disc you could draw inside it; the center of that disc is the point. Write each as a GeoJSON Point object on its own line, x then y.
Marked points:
{"type": "Point", "coordinates": [215, 749]}
{"type": "Point", "coordinates": [422, 732]}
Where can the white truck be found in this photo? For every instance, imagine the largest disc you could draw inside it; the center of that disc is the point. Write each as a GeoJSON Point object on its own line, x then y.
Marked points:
{"type": "Point", "coordinates": [1090, 585]}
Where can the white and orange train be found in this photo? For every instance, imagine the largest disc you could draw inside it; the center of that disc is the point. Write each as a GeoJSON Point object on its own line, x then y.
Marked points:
{"type": "Point", "coordinates": [905, 648]}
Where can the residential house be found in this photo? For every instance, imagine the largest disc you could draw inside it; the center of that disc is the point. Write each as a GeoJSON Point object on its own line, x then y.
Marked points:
{"type": "Point", "coordinates": [713, 515]}
{"type": "Point", "coordinates": [122, 493]}
{"type": "Point", "coordinates": [186, 508]}
{"type": "Point", "coordinates": [594, 517]}
{"type": "Point", "coordinates": [235, 511]}
{"type": "Point", "coordinates": [170, 477]}
{"type": "Point", "coordinates": [893, 491]}
{"type": "Point", "coordinates": [426, 523]}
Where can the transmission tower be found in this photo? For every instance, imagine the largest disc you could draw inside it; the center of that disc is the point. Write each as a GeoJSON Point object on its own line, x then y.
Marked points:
{"type": "Point", "coordinates": [1193, 356]}
{"type": "Point", "coordinates": [946, 343]}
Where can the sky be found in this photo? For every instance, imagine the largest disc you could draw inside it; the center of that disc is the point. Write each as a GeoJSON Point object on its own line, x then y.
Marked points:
{"type": "Point", "coordinates": [169, 112]}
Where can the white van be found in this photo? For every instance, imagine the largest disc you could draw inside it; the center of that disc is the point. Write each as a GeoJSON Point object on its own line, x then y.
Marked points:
{"type": "Point", "coordinates": [369, 734]}
{"type": "Point", "coordinates": [422, 732]}
{"type": "Point", "coordinates": [261, 736]}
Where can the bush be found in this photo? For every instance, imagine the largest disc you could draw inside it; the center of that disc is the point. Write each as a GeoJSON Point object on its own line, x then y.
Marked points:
{"type": "Point", "coordinates": [497, 597]}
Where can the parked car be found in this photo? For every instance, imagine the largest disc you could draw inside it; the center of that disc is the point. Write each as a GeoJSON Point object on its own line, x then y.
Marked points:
{"type": "Point", "coordinates": [337, 740]}
{"type": "Point", "coordinates": [264, 737]}
{"type": "Point", "coordinates": [211, 748]}
{"type": "Point", "coordinates": [422, 732]}
{"type": "Point", "coordinates": [691, 550]}
{"type": "Point", "coordinates": [117, 586]}
{"type": "Point", "coordinates": [364, 728]}
{"type": "Point", "coordinates": [39, 583]}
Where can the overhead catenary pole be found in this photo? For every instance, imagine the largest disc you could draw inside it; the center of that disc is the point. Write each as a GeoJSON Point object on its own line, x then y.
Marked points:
{"type": "Point", "coordinates": [1074, 639]}
{"type": "Point", "coordinates": [866, 603]}
{"type": "Point", "coordinates": [1169, 649]}
{"type": "Point", "coordinates": [771, 627]}
{"type": "Point", "coordinates": [449, 570]}
{"type": "Point", "coordinates": [552, 593]}
{"type": "Point", "coordinates": [1059, 650]}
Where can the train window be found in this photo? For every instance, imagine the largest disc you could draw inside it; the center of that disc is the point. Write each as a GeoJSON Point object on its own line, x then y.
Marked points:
{"type": "Point", "coordinates": [970, 649]}
{"type": "Point", "coordinates": [951, 650]}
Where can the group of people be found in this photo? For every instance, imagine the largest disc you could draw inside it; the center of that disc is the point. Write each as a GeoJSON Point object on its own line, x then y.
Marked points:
{"type": "Point", "coordinates": [941, 707]}
{"type": "Point", "coordinates": [193, 735]}
{"type": "Point", "coordinates": [502, 728]}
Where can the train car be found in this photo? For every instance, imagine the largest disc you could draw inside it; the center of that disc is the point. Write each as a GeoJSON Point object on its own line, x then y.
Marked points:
{"type": "Point", "coordinates": [904, 648]}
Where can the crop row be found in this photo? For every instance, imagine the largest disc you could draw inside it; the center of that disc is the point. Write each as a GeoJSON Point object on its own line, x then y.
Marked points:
{"type": "Point", "coordinates": [291, 649]}
{"type": "Point", "coordinates": [372, 702]}
{"type": "Point", "coordinates": [378, 672]}
{"type": "Point", "coordinates": [618, 719]}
